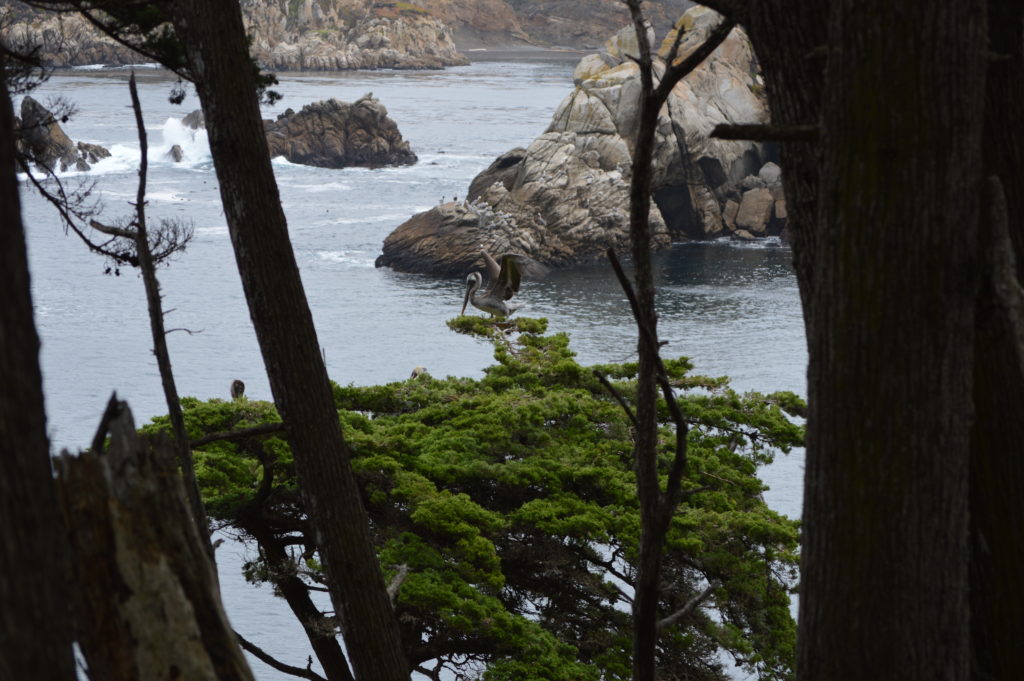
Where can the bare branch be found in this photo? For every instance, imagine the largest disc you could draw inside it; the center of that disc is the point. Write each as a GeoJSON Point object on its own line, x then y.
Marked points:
{"type": "Point", "coordinates": [110, 230]}
{"type": "Point", "coordinates": [766, 133]}
{"type": "Point", "coordinates": [268, 659]}
{"type": "Point", "coordinates": [675, 72]}
{"type": "Point", "coordinates": [690, 606]}
{"type": "Point", "coordinates": [618, 397]}
{"type": "Point", "coordinates": [396, 582]}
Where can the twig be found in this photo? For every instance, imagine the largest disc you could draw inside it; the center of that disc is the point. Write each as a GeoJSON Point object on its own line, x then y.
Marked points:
{"type": "Point", "coordinates": [618, 397]}
{"type": "Point", "coordinates": [266, 658]}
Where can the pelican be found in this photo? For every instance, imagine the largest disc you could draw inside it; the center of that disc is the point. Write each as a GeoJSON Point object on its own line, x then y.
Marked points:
{"type": "Point", "coordinates": [237, 389]}
{"type": "Point", "coordinates": [502, 284]}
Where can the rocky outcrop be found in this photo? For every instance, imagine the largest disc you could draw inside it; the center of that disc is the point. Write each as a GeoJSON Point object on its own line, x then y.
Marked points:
{"type": "Point", "coordinates": [564, 199]}
{"type": "Point", "coordinates": [579, 24]}
{"type": "Point", "coordinates": [41, 139]}
{"type": "Point", "coordinates": [330, 35]}
{"type": "Point", "coordinates": [333, 134]}
{"type": "Point", "coordinates": [289, 35]}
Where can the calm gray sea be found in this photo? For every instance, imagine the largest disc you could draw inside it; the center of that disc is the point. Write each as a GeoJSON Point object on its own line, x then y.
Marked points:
{"type": "Point", "coordinates": [733, 308]}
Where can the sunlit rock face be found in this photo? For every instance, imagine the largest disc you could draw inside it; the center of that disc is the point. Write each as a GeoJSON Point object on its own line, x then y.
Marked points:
{"type": "Point", "coordinates": [563, 200]}
{"type": "Point", "coordinates": [287, 35]}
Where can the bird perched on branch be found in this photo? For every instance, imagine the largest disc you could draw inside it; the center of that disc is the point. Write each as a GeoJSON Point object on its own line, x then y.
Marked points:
{"type": "Point", "coordinates": [502, 284]}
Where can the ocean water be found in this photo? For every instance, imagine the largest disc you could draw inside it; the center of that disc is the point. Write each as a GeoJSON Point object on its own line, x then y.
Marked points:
{"type": "Point", "coordinates": [733, 308]}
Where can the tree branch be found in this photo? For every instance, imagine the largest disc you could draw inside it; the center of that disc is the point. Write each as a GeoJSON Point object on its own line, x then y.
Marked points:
{"type": "Point", "coordinates": [766, 133]}
{"type": "Point", "coordinates": [690, 606]}
{"type": "Point", "coordinates": [110, 230]}
{"type": "Point", "coordinates": [618, 397]}
{"type": "Point", "coordinates": [396, 582]}
{"type": "Point", "coordinates": [267, 659]}
{"type": "Point", "coordinates": [676, 72]}
{"type": "Point", "coordinates": [240, 434]}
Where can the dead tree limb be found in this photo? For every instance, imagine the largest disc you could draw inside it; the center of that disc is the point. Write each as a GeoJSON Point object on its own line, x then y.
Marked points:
{"type": "Point", "coordinates": [156, 323]}
{"type": "Point", "coordinates": [147, 601]}
{"type": "Point", "coordinates": [271, 661]}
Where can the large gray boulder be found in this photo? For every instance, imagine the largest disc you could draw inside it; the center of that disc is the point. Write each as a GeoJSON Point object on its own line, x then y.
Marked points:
{"type": "Point", "coordinates": [564, 199]}
{"type": "Point", "coordinates": [44, 142]}
{"type": "Point", "coordinates": [334, 134]}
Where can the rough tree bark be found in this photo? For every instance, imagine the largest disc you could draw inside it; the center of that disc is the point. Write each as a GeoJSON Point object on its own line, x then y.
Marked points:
{"type": "Point", "coordinates": [34, 591]}
{"type": "Point", "coordinates": [148, 604]}
{"type": "Point", "coordinates": [225, 80]}
{"type": "Point", "coordinates": [885, 240]}
{"type": "Point", "coordinates": [889, 377]}
{"type": "Point", "coordinates": [885, 237]}
{"type": "Point", "coordinates": [997, 469]}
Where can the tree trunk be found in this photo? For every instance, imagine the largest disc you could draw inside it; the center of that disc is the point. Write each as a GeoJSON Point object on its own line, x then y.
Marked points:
{"type": "Point", "coordinates": [295, 592]}
{"type": "Point", "coordinates": [225, 79]}
{"type": "Point", "coordinates": [789, 37]}
{"type": "Point", "coordinates": [997, 469]}
{"type": "Point", "coordinates": [35, 631]}
{"type": "Point", "coordinates": [891, 328]}
{"type": "Point", "coordinates": [147, 596]}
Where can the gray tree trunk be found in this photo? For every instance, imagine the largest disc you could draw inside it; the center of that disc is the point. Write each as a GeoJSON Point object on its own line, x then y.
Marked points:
{"type": "Point", "coordinates": [225, 79]}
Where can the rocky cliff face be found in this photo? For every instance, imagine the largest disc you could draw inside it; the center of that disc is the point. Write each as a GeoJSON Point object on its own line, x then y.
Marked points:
{"type": "Point", "coordinates": [288, 35]}
{"type": "Point", "coordinates": [327, 35]}
{"type": "Point", "coordinates": [581, 24]}
{"type": "Point", "coordinates": [564, 199]}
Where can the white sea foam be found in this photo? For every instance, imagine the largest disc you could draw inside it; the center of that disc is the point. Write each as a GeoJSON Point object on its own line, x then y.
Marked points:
{"type": "Point", "coordinates": [360, 258]}
{"type": "Point", "coordinates": [194, 144]}
{"type": "Point", "coordinates": [117, 67]}
{"type": "Point", "coordinates": [324, 187]}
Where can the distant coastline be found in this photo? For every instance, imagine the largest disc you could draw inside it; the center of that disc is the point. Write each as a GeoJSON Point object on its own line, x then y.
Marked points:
{"type": "Point", "coordinates": [524, 53]}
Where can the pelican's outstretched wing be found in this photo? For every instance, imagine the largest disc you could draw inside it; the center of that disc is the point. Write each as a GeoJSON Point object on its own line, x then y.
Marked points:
{"type": "Point", "coordinates": [493, 271]}
{"type": "Point", "coordinates": [507, 283]}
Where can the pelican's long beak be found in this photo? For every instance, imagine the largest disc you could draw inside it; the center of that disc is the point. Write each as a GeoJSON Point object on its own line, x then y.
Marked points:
{"type": "Point", "coordinates": [465, 301]}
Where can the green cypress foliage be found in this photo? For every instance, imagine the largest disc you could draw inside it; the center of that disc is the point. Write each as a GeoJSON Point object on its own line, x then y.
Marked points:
{"type": "Point", "coordinates": [509, 504]}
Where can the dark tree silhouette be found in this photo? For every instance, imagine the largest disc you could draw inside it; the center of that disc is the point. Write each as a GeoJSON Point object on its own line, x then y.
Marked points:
{"type": "Point", "coordinates": [34, 591]}
{"type": "Point", "coordinates": [905, 251]}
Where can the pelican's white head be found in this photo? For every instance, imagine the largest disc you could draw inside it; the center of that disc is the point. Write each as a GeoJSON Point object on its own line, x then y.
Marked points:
{"type": "Point", "coordinates": [473, 282]}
